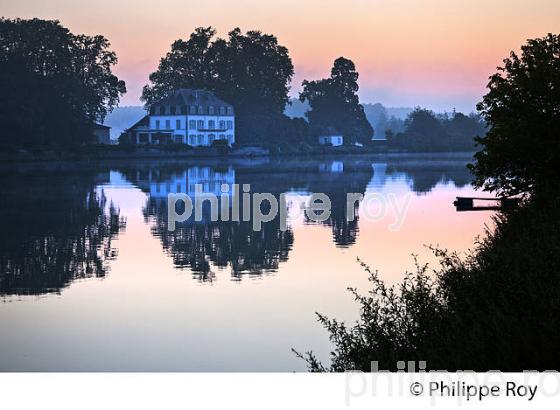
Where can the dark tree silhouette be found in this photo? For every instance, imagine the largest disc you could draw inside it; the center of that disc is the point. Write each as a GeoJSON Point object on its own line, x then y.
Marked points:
{"type": "Point", "coordinates": [521, 151]}
{"type": "Point", "coordinates": [56, 229]}
{"type": "Point", "coordinates": [427, 132]}
{"type": "Point", "coordinates": [54, 84]}
{"type": "Point", "coordinates": [334, 103]}
{"type": "Point", "coordinates": [251, 71]}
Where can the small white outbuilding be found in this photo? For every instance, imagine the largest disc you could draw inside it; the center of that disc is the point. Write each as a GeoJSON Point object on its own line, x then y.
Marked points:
{"type": "Point", "coordinates": [331, 137]}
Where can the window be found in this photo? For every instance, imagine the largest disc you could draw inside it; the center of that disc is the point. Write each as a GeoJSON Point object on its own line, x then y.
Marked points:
{"type": "Point", "coordinates": [179, 139]}
{"type": "Point", "coordinates": [211, 138]}
{"type": "Point", "coordinates": [167, 109]}
{"type": "Point", "coordinates": [200, 139]}
{"type": "Point", "coordinates": [157, 124]}
{"type": "Point", "coordinates": [212, 124]}
{"type": "Point", "coordinates": [167, 124]}
{"type": "Point", "coordinates": [192, 139]}
{"type": "Point", "coordinates": [200, 124]}
{"type": "Point", "coordinates": [230, 125]}
{"type": "Point", "coordinates": [222, 110]}
{"type": "Point", "coordinates": [230, 110]}
{"type": "Point", "coordinates": [211, 110]}
{"type": "Point", "coordinates": [178, 125]}
{"type": "Point", "coordinates": [192, 124]}
{"type": "Point", "coordinates": [177, 110]}
{"type": "Point", "coordinates": [193, 109]}
{"type": "Point", "coordinates": [222, 124]}
{"type": "Point", "coordinates": [200, 110]}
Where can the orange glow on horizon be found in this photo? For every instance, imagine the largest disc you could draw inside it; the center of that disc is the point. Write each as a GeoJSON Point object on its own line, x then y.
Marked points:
{"type": "Point", "coordinates": [434, 53]}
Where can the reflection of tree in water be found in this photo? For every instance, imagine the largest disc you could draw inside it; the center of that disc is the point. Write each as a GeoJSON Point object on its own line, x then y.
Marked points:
{"type": "Point", "coordinates": [337, 179]}
{"type": "Point", "coordinates": [425, 176]}
{"type": "Point", "coordinates": [55, 230]}
{"type": "Point", "coordinates": [199, 245]}
{"type": "Point", "coordinates": [196, 245]}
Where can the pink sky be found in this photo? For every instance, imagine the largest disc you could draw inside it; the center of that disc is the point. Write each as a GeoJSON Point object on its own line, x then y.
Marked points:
{"type": "Point", "coordinates": [434, 53]}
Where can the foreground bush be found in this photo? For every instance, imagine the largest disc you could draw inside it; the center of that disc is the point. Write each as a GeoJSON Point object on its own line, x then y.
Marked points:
{"type": "Point", "coordinates": [497, 309]}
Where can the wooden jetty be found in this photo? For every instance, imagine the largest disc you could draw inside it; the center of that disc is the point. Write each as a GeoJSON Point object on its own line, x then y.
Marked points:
{"type": "Point", "coordinates": [463, 204]}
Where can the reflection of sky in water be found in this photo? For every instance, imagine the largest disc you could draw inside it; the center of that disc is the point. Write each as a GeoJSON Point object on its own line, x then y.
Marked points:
{"type": "Point", "coordinates": [147, 314]}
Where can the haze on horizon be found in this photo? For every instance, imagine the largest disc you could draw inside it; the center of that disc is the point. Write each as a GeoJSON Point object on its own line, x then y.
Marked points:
{"type": "Point", "coordinates": [433, 53]}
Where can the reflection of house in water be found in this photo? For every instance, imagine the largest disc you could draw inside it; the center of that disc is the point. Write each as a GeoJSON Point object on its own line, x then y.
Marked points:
{"type": "Point", "coordinates": [210, 181]}
{"type": "Point", "coordinates": [332, 166]}
{"type": "Point", "coordinates": [159, 183]}
{"type": "Point", "coordinates": [204, 245]}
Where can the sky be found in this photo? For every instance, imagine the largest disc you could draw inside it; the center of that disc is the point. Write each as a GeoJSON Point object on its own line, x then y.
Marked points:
{"type": "Point", "coordinates": [431, 53]}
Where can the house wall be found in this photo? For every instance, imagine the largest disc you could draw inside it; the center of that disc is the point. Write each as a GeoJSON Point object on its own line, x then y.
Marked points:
{"type": "Point", "coordinates": [334, 140]}
{"type": "Point", "coordinates": [199, 135]}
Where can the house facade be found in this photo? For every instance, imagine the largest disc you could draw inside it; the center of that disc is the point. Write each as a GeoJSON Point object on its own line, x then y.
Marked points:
{"type": "Point", "coordinates": [186, 116]}
{"type": "Point", "coordinates": [331, 136]}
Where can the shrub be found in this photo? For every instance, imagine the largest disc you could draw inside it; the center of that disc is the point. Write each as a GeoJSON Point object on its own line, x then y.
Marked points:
{"type": "Point", "coordinates": [497, 309]}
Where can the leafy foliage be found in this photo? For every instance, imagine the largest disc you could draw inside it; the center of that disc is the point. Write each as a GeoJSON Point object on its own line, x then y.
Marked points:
{"type": "Point", "coordinates": [334, 103]}
{"type": "Point", "coordinates": [427, 132]}
{"type": "Point", "coordinates": [55, 84]}
{"type": "Point", "coordinates": [498, 309]}
{"type": "Point", "coordinates": [250, 71]}
{"type": "Point", "coordinates": [521, 152]}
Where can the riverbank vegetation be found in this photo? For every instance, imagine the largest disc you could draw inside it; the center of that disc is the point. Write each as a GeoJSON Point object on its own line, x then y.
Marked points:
{"type": "Point", "coordinates": [499, 308]}
{"type": "Point", "coordinates": [55, 84]}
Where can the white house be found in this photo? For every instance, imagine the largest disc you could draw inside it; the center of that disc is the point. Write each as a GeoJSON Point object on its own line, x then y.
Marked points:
{"type": "Point", "coordinates": [194, 117]}
{"type": "Point", "coordinates": [331, 137]}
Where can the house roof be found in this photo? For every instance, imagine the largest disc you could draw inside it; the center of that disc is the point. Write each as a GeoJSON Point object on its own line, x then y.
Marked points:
{"type": "Point", "coordinates": [101, 126]}
{"type": "Point", "coordinates": [185, 97]}
{"type": "Point", "coordinates": [145, 120]}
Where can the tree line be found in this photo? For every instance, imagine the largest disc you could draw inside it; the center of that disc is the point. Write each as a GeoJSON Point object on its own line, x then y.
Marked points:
{"type": "Point", "coordinates": [56, 85]}
{"type": "Point", "coordinates": [425, 131]}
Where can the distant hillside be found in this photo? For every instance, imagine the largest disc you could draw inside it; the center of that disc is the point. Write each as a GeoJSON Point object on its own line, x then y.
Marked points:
{"type": "Point", "coordinates": [122, 118]}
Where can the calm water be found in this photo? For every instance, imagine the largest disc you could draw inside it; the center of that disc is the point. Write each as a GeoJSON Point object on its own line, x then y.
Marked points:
{"type": "Point", "coordinates": [92, 279]}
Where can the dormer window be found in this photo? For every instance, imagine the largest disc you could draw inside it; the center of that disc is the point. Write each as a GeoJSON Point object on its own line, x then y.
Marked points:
{"type": "Point", "coordinates": [200, 110]}
{"type": "Point", "coordinates": [210, 110]}
{"type": "Point", "coordinates": [222, 110]}
{"type": "Point", "coordinates": [193, 109]}
{"type": "Point", "coordinates": [167, 109]}
{"type": "Point", "coordinates": [230, 110]}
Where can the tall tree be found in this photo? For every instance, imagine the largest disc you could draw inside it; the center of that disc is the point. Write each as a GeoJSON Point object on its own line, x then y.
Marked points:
{"type": "Point", "coordinates": [334, 102]}
{"type": "Point", "coordinates": [189, 64]}
{"type": "Point", "coordinates": [54, 84]}
{"type": "Point", "coordinates": [250, 71]}
{"type": "Point", "coordinates": [521, 151]}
